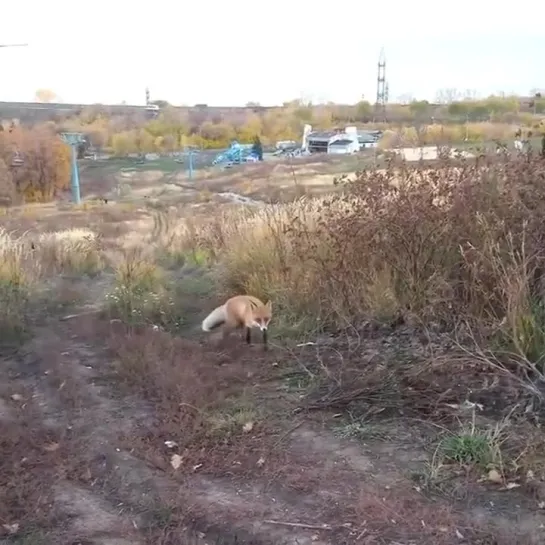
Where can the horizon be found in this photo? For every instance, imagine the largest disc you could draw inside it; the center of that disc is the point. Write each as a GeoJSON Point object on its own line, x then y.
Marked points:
{"type": "Point", "coordinates": [244, 62]}
{"type": "Point", "coordinates": [252, 105]}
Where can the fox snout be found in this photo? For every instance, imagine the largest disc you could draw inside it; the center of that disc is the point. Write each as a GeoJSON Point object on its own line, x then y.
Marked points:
{"type": "Point", "coordinates": [262, 326]}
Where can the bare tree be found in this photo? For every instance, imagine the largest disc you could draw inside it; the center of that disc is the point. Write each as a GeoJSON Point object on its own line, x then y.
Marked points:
{"type": "Point", "coordinates": [447, 96]}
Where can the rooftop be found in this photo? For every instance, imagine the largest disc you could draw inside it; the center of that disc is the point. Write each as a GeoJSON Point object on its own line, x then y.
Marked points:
{"type": "Point", "coordinates": [344, 142]}
{"type": "Point", "coordinates": [322, 135]}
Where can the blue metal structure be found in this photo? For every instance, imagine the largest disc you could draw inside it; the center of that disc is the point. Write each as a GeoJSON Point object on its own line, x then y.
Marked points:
{"type": "Point", "coordinates": [236, 154]}
{"type": "Point", "coordinates": [74, 139]}
{"type": "Point", "coordinates": [189, 155]}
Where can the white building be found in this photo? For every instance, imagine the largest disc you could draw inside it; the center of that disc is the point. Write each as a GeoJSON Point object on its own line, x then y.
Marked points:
{"type": "Point", "coordinates": [343, 147]}
{"type": "Point", "coordinates": [341, 141]}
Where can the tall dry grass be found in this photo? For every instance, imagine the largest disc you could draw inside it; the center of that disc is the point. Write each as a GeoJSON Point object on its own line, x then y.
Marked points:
{"type": "Point", "coordinates": [459, 243]}
{"type": "Point", "coordinates": [28, 261]}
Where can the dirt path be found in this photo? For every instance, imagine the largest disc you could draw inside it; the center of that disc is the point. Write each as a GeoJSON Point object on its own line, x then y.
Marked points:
{"type": "Point", "coordinates": [97, 465]}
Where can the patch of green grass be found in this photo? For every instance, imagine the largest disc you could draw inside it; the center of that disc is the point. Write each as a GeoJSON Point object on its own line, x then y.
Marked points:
{"type": "Point", "coordinates": [140, 307]}
{"type": "Point", "coordinates": [238, 415]}
{"type": "Point", "coordinates": [469, 449]}
{"type": "Point", "coordinates": [298, 381]}
{"type": "Point", "coordinates": [361, 430]}
{"type": "Point", "coordinates": [472, 445]}
{"type": "Point", "coordinates": [142, 295]}
{"type": "Point", "coordinates": [232, 422]}
{"type": "Point", "coordinates": [175, 259]}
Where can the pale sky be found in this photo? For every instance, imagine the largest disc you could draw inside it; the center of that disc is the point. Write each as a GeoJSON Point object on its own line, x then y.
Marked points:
{"type": "Point", "coordinates": [230, 53]}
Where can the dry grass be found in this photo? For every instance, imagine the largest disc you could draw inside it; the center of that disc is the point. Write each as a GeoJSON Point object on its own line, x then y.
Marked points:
{"type": "Point", "coordinates": [404, 515]}
{"type": "Point", "coordinates": [28, 261]}
{"type": "Point", "coordinates": [203, 402]}
{"type": "Point", "coordinates": [459, 244]}
{"type": "Point", "coordinates": [33, 459]}
{"type": "Point", "coordinates": [454, 253]}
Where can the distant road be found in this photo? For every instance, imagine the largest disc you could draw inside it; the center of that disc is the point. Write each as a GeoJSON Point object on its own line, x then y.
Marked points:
{"type": "Point", "coordinates": [40, 109]}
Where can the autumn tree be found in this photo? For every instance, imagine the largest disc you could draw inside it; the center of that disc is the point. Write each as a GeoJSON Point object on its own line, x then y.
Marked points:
{"type": "Point", "coordinates": [420, 108]}
{"type": "Point", "coordinates": [222, 133]}
{"type": "Point", "coordinates": [7, 187]}
{"type": "Point", "coordinates": [123, 143]}
{"type": "Point", "coordinates": [98, 137]}
{"type": "Point", "coordinates": [363, 110]}
{"type": "Point", "coordinates": [448, 96]}
{"type": "Point", "coordinates": [45, 95]}
{"type": "Point", "coordinates": [45, 170]}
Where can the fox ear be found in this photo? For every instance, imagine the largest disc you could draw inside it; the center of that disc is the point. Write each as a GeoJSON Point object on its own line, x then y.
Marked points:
{"type": "Point", "coordinates": [268, 304]}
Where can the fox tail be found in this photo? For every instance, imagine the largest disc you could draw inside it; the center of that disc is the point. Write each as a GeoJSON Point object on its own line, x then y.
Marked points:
{"type": "Point", "coordinates": [214, 319]}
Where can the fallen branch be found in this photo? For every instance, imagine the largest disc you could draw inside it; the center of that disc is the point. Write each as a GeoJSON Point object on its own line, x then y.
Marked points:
{"type": "Point", "coordinates": [300, 525]}
{"type": "Point", "coordinates": [87, 313]}
{"type": "Point", "coordinates": [285, 434]}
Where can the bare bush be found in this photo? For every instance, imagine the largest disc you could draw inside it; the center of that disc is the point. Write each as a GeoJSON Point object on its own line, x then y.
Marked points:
{"type": "Point", "coordinates": [7, 187]}
{"type": "Point", "coordinates": [460, 243]}
{"type": "Point", "coordinates": [45, 167]}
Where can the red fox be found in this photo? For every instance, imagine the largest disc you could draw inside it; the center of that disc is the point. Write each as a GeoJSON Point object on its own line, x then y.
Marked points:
{"type": "Point", "coordinates": [241, 311]}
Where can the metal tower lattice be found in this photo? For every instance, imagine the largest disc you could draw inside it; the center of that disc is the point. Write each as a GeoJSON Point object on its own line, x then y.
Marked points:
{"type": "Point", "coordinates": [382, 88]}
{"type": "Point", "coordinates": [147, 96]}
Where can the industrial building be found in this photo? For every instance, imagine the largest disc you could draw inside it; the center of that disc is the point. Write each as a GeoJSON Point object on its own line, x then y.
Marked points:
{"type": "Point", "coordinates": [342, 141]}
{"type": "Point", "coordinates": [369, 139]}
{"type": "Point", "coordinates": [343, 147]}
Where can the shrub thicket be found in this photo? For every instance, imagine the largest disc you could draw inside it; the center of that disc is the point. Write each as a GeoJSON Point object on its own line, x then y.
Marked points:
{"type": "Point", "coordinates": [34, 164]}
{"type": "Point", "coordinates": [459, 243]}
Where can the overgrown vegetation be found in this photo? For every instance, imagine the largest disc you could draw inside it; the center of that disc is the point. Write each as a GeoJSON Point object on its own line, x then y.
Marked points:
{"type": "Point", "coordinates": [452, 120]}
{"type": "Point", "coordinates": [458, 245]}
{"type": "Point", "coordinates": [34, 164]}
{"type": "Point", "coordinates": [414, 294]}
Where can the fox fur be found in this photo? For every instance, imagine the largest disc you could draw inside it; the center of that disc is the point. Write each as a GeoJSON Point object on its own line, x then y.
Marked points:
{"type": "Point", "coordinates": [241, 311]}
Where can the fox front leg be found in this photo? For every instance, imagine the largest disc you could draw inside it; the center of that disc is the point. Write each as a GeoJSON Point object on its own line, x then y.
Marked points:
{"type": "Point", "coordinates": [265, 347]}
{"type": "Point", "coordinates": [249, 335]}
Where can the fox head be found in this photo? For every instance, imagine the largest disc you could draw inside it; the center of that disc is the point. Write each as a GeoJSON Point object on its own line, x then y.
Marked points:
{"type": "Point", "coordinates": [262, 316]}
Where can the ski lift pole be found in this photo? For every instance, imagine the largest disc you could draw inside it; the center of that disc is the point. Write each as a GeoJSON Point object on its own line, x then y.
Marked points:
{"type": "Point", "coordinates": [190, 164]}
{"type": "Point", "coordinates": [76, 193]}
{"type": "Point", "coordinates": [73, 140]}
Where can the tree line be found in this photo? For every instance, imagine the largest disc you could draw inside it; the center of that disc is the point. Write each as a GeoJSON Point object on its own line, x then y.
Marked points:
{"type": "Point", "coordinates": [173, 129]}
{"type": "Point", "coordinates": [35, 163]}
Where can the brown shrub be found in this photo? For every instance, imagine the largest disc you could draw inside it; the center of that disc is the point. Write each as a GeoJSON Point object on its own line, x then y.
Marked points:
{"type": "Point", "coordinates": [7, 187]}
{"type": "Point", "coordinates": [462, 242]}
{"type": "Point", "coordinates": [45, 169]}
{"type": "Point", "coordinates": [458, 243]}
